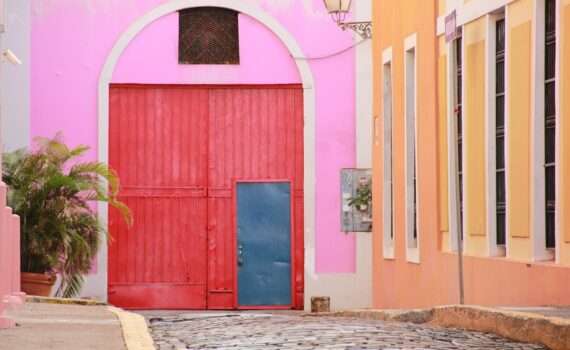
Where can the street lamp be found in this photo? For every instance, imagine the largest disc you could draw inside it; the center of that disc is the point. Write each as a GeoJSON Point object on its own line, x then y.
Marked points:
{"type": "Point", "coordinates": [339, 10]}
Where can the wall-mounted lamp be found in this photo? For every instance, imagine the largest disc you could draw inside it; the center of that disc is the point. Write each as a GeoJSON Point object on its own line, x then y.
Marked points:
{"type": "Point", "coordinates": [11, 57]}
{"type": "Point", "coordinates": [339, 10]}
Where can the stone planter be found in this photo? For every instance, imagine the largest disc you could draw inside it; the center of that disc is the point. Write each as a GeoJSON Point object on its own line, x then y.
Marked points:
{"type": "Point", "coordinates": [39, 284]}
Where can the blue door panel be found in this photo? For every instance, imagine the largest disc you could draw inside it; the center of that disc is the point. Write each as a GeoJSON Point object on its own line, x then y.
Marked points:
{"type": "Point", "coordinates": [264, 244]}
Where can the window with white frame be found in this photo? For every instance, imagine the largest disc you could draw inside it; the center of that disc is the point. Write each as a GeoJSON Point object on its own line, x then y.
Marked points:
{"type": "Point", "coordinates": [412, 231]}
{"type": "Point", "coordinates": [458, 142]}
{"type": "Point", "coordinates": [388, 156]}
{"type": "Point", "coordinates": [544, 129]}
{"type": "Point", "coordinates": [550, 122]}
{"type": "Point", "coordinates": [496, 134]}
{"type": "Point", "coordinates": [500, 173]}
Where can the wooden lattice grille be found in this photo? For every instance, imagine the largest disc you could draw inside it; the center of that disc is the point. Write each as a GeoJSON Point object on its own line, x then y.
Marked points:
{"type": "Point", "coordinates": [208, 35]}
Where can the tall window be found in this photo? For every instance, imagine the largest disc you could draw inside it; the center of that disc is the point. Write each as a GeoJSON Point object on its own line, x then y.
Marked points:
{"type": "Point", "coordinates": [411, 154]}
{"type": "Point", "coordinates": [459, 114]}
{"type": "Point", "coordinates": [550, 122]}
{"type": "Point", "coordinates": [500, 131]}
{"type": "Point", "coordinates": [388, 162]}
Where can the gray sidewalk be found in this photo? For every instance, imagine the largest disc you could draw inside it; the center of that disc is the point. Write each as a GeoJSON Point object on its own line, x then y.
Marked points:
{"type": "Point", "coordinates": [63, 327]}
{"type": "Point", "coordinates": [560, 312]}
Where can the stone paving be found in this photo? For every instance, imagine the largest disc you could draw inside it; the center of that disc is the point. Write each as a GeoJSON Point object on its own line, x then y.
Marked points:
{"type": "Point", "coordinates": [286, 331]}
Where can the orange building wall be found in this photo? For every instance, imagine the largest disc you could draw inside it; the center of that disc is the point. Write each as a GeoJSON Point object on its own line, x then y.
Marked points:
{"type": "Point", "coordinates": [488, 281]}
{"type": "Point", "coordinates": [475, 211]}
{"type": "Point", "coordinates": [519, 129]}
{"type": "Point", "coordinates": [443, 176]}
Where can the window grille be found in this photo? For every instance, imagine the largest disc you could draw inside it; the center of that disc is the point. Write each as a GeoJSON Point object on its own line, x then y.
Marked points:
{"type": "Point", "coordinates": [459, 114]}
{"type": "Point", "coordinates": [500, 132]}
{"type": "Point", "coordinates": [208, 35]}
{"type": "Point", "coordinates": [550, 122]}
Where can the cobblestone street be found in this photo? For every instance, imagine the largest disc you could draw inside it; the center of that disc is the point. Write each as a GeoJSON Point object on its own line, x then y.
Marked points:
{"type": "Point", "coordinates": [288, 331]}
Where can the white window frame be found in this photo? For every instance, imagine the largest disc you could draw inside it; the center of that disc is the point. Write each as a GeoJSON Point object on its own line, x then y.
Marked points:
{"type": "Point", "coordinates": [388, 200]}
{"type": "Point", "coordinates": [538, 195]}
{"type": "Point", "coordinates": [452, 142]}
{"type": "Point", "coordinates": [559, 172]}
{"type": "Point", "coordinates": [411, 156]}
{"type": "Point", "coordinates": [493, 249]}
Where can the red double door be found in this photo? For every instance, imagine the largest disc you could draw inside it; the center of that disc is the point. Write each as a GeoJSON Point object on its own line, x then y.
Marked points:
{"type": "Point", "coordinates": [179, 151]}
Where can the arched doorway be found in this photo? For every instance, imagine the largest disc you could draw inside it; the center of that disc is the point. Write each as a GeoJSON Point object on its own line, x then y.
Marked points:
{"type": "Point", "coordinates": [214, 297]}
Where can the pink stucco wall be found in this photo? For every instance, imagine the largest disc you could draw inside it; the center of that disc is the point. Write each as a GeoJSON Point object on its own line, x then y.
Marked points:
{"type": "Point", "coordinates": [72, 38]}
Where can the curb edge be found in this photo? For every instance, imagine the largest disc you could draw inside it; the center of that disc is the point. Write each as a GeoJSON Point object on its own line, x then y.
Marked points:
{"type": "Point", "coordinates": [135, 331]}
{"type": "Point", "coordinates": [62, 301]}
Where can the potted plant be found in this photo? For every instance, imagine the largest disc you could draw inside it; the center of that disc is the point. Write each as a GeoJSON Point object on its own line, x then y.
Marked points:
{"type": "Point", "coordinates": [361, 201]}
{"type": "Point", "coordinates": [53, 192]}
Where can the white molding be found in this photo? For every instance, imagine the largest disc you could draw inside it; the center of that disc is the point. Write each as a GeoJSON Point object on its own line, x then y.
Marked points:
{"type": "Point", "coordinates": [490, 133]}
{"type": "Point", "coordinates": [411, 154]}
{"type": "Point", "coordinates": [538, 181]}
{"type": "Point", "coordinates": [468, 12]}
{"type": "Point", "coordinates": [507, 131]}
{"type": "Point", "coordinates": [387, 55]}
{"type": "Point", "coordinates": [464, 137]}
{"type": "Point", "coordinates": [410, 42]}
{"type": "Point", "coordinates": [559, 162]}
{"type": "Point", "coordinates": [388, 137]}
{"type": "Point", "coordinates": [454, 206]}
{"type": "Point", "coordinates": [99, 280]}
{"type": "Point", "coordinates": [364, 91]}
{"type": "Point", "coordinates": [451, 149]}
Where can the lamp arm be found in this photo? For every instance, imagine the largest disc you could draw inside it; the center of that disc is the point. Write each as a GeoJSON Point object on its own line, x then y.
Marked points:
{"type": "Point", "coordinates": [364, 29]}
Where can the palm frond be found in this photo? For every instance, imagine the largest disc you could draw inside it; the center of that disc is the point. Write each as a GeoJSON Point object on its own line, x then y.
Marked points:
{"type": "Point", "coordinates": [50, 188]}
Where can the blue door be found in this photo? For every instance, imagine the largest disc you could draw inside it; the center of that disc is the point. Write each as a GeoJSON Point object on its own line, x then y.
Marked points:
{"type": "Point", "coordinates": [264, 244]}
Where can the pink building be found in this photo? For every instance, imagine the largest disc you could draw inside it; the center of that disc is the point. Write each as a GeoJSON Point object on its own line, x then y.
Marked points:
{"type": "Point", "coordinates": [10, 294]}
{"type": "Point", "coordinates": [198, 103]}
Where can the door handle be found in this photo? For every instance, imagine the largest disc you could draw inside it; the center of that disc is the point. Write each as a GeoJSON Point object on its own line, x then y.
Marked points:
{"type": "Point", "coordinates": [240, 255]}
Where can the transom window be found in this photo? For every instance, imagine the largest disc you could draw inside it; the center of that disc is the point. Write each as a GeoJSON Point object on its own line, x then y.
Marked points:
{"type": "Point", "coordinates": [208, 35]}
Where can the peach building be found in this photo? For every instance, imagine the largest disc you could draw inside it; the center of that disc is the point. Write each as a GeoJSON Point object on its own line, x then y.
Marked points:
{"type": "Point", "coordinates": [471, 141]}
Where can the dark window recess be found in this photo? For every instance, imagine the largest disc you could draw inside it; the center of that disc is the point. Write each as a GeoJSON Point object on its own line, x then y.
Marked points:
{"type": "Point", "coordinates": [550, 122]}
{"type": "Point", "coordinates": [391, 192]}
{"type": "Point", "coordinates": [208, 35]}
{"type": "Point", "coordinates": [500, 133]}
{"type": "Point", "coordinates": [415, 201]}
{"type": "Point", "coordinates": [459, 114]}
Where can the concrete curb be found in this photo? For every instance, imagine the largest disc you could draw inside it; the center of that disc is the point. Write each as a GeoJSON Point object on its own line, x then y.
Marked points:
{"type": "Point", "coordinates": [409, 316]}
{"type": "Point", "coordinates": [135, 330]}
{"type": "Point", "coordinates": [552, 332]}
{"type": "Point", "coordinates": [62, 301]}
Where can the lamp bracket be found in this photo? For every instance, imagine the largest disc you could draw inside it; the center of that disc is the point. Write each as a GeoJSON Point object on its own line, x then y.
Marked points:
{"type": "Point", "coordinates": [364, 29]}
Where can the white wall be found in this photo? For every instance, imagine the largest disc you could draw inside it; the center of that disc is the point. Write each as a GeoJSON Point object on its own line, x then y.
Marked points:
{"type": "Point", "coordinates": [15, 82]}
{"type": "Point", "coordinates": [354, 290]}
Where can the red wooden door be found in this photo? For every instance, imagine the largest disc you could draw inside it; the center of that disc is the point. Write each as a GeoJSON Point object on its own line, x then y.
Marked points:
{"type": "Point", "coordinates": [178, 151]}
{"type": "Point", "coordinates": [158, 145]}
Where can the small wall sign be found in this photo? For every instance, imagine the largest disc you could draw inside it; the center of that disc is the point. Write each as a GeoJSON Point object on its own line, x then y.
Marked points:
{"type": "Point", "coordinates": [356, 200]}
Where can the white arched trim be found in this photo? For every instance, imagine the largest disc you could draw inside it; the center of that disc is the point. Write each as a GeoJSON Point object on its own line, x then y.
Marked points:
{"type": "Point", "coordinates": [97, 284]}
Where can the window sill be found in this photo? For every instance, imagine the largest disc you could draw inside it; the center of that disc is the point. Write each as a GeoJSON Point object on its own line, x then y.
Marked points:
{"type": "Point", "coordinates": [389, 252]}
{"type": "Point", "coordinates": [413, 255]}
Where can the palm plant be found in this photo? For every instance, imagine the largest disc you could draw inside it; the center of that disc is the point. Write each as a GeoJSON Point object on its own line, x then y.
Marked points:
{"type": "Point", "coordinates": [53, 193]}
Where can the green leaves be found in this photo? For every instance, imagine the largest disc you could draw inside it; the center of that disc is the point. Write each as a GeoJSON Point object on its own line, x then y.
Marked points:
{"type": "Point", "coordinates": [51, 190]}
{"type": "Point", "coordinates": [363, 197]}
